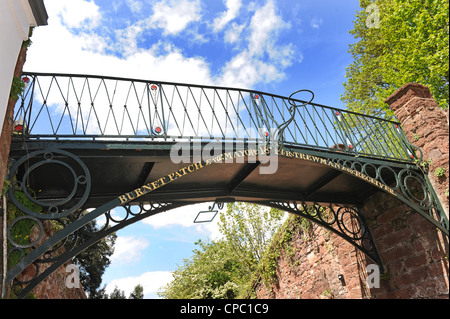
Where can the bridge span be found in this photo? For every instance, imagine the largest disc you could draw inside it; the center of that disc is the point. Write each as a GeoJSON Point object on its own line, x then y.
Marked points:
{"type": "Point", "coordinates": [86, 145]}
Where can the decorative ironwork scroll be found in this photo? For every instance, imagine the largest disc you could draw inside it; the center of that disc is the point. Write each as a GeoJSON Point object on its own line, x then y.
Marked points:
{"type": "Point", "coordinates": [408, 183]}
{"type": "Point", "coordinates": [71, 221]}
{"type": "Point", "coordinates": [346, 222]}
{"type": "Point", "coordinates": [281, 128]}
{"type": "Point", "coordinates": [51, 209]}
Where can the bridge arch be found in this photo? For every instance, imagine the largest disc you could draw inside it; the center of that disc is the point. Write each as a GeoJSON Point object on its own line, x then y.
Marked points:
{"type": "Point", "coordinates": [78, 171]}
{"type": "Point", "coordinates": [343, 219]}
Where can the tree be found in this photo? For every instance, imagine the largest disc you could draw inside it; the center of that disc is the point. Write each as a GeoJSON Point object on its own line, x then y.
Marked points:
{"type": "Point", "coordinates": [213, 272]}
{"type": "Point", "coordinates": [94, 260]}
{"type": "Point", "coordinates": [409, 44]}
{"type": "Point", "coordinates": [224, 268]}
{"type": "Point", "coordinates": [138, 293]}
{"type": "Point", "coordinates": [248, 229]}
{"type": "Point", "coordinates": [117, 294]}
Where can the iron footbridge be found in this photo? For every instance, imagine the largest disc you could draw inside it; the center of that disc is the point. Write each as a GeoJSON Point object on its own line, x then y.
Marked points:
{"type": "Point", "coordinates": [89, 147]}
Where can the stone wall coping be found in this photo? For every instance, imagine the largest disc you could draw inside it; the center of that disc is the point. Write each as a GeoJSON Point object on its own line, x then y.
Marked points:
{"type": "Point", "coordinates": [406, 93]}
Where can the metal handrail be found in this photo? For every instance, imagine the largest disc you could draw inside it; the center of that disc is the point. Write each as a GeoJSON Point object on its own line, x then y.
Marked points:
{"type": "Point", "coordinates": [72, 106]}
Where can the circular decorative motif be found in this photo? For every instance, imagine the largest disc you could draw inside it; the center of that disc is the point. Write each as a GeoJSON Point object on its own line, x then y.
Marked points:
{"type": "Point", "coordinates": [121, 213]}
{"type": "Point", "coordinates": [415, 188]}
{"type": "Point", "coordinates": [357, 166]}
{"type": "Point", "coordinates": [292, 102]}
{"type": "Point", "coordinates": [349, 223]}
{"type": "Point", "coordinates": [369, 168]}
{"type": "Point", "coordinates": [327, 215]}
{"type": "Point", "coordinates": [53, 209]}
{"type": "Point", "coordinates": [393, 174]}
{"type": "Point", "coordinates": [18, 219]}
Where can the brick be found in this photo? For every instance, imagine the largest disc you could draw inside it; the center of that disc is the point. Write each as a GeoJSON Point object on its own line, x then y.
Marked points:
{"type": "Point", "coordinates": [393, 239]}
{"type": "Point", "coordinates": [418, 260]}
{"type": "Point", "coordinates": [438, 269]}
{"type": "Point", "coordinates": [396, 254]}
{"type": "Point", "coordinates": [403, 280]}
{"type": "Point", "coordinates": [397, 267]}
{"type": "Point", "coordinates": [422, 227]}
{"type": "Point", "coordinates": [390, 215]}
{"type": "Point", "coordinates": [419, 274]}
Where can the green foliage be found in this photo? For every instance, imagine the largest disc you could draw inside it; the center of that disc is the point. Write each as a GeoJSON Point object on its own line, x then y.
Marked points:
{"type": "Point", "coordinates": [425, 164]}
{"type": "Point", "coordinates": [439, 172]}
{"type": "Point", "coordinates": [213, 272]}
{"type": "Point", "coordinates": [410, 45]}
{"type": "Point", "coordinates": [28, 42]}
{"type": "Point", "coordinates": [137, 293]}
{"type": "Point", "coordinates": [17, 87]}
{"type": "Point", "coordinates": [253, 237]}
{"type": "Point", "coordinates": [328, 293]}
{"type": "Point", "coordinates": [21, 231]}
{"type": "Point", "coordinates": [117, 294]}
{"type": "Point", "coordinates": [249, 228]}
{"type": "Point", "coordinates": [225, 269]}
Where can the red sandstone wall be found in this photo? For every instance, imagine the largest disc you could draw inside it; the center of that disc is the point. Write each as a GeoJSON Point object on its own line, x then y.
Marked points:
{"type": "Point", "coordinates": [426, 126]}
{"type": "Point", "coordinates": [54, 286]}
{"type": "Point", "coordinates": [321, 259]}
{"type": "Point", "coordinates": [414, 252]}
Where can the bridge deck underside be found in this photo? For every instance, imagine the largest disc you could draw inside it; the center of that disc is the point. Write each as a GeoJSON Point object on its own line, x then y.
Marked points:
{"type": "Point", "coordinates": [118, 169]}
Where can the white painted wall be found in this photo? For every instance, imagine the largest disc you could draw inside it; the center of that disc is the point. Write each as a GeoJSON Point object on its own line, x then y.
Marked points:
{"type": "Point", "coordinates": [16, 18]}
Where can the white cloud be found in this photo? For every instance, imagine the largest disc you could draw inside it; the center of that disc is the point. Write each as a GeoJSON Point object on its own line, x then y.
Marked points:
{"type": "Point", "coordinates": [175, 16]}
{"type": "Point", "coordinates": [135, 5]}
{"type": "Point", "coordinates": [128, 249]}
{"type": "Point", "coordinates": [74, 13]}
{"type": "Point", "coordinates": [233, 33]}
{"type": "Point", "coordinates": [150, 281]}
{"type": "Point", "coordinates": [56, 49]}
{"type": "Point", "coordinates": [256, 54]}
{"type": "Point", "coordinates": [316, 23]}
{"type": "Point", "coordinates": [233, 7]}
{"type": "Point", "coordinates": [265, 27]}
{"type": "Point", "coordinates": [263, 60]}
{"type": "Point", "coordinates": [185, 216]}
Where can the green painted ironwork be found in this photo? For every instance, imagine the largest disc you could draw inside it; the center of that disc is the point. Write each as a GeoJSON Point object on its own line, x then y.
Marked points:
{"type": "Point", "coordinates": [87, 109]}
{"type": "Point", "coordinates": [69, 106]}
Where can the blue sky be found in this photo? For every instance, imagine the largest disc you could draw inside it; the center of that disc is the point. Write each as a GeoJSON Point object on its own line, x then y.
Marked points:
{"type": "Point", "coordinates": [277, 46]}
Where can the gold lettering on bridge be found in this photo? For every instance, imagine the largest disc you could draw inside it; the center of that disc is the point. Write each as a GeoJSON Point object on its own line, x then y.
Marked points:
{"type": "Point", "coordinates": [264, 151]}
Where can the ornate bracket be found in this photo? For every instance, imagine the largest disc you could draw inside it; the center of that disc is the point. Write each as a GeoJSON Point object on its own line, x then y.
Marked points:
{"type": "Point", "coordinates": [65, 244]}
{"type": "Point", "coordinates": [347, 222]}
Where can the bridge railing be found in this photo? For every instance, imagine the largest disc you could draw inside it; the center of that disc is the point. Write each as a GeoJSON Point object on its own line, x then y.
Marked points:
{"type": "Point", "coordinates": [69, 106]}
